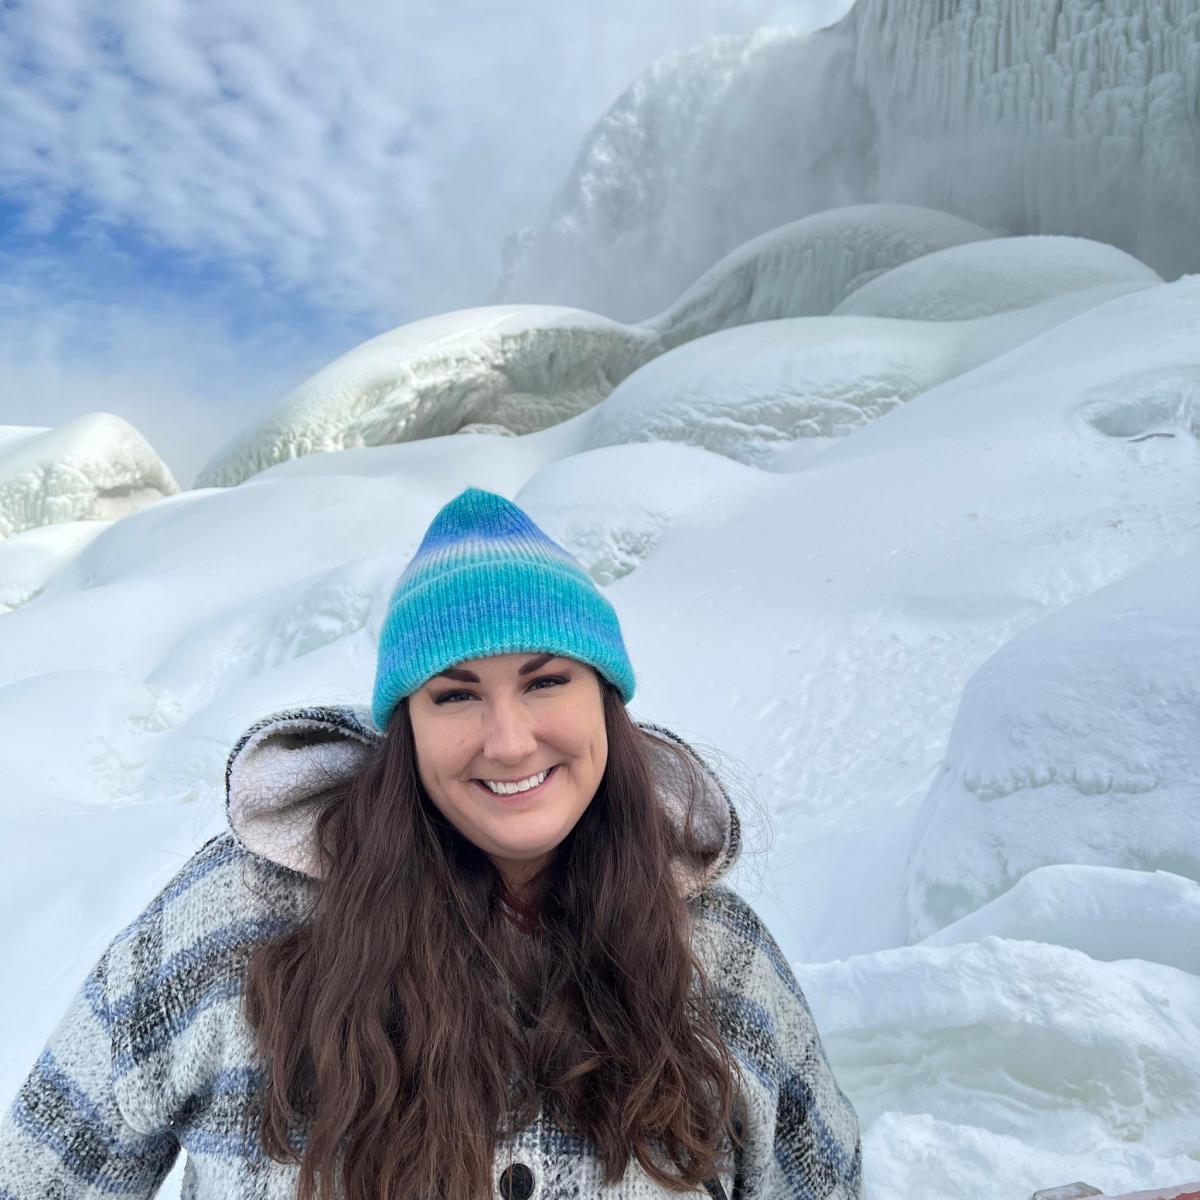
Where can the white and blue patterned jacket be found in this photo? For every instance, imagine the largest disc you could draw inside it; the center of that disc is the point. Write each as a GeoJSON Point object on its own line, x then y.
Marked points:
{"type": "Point", "coordinates": [154, 1056]}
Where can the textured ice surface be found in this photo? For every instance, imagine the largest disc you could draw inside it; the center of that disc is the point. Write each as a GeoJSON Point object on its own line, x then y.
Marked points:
{"type": "Point", "coordinates": [806, 267]}
{"type": "Point", "coordinates": [94, 468]}
{"type": "Point", "coordinates": [520, 367]}
{"type": "Point", "coordinates": [977, 279]}
{"type": "Point", "coordinates": [774, 393]}
{"type": "Point", "coordinates": [1078, 117]}
{"type": "Point", "coordinates": [1075, 743]}
{"type": "Point", "coordinates": [1107, 912]}
{"type": "Point", "coordinates": [997, 1067]}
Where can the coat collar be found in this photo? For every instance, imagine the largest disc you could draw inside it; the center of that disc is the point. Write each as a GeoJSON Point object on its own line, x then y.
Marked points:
{"type": "Point", "coordinates": [297, 752]}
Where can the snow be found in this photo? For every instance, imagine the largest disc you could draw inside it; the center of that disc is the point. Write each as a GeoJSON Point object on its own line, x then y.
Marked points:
{"type": "Point", "coordinates": [1075, 743]}
{"type": "Point", "coordinates": [1074, 118]}
{"type": "Point", "coordinates": [1033, 1062]}
{"type": "Point", "coordinates": [978, 279]}
{"type": "Point", "coordinates": [774, 393]}
{"type": "Point", "coordinates": [808, 266]}
{"type": "Point", "coordinates": [94, 468]}
{"type": "Point", "coordinates": [522, 367]}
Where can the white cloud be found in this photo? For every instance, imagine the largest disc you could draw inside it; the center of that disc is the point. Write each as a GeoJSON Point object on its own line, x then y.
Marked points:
{"type": "Point", "coordinates": [372, 156]}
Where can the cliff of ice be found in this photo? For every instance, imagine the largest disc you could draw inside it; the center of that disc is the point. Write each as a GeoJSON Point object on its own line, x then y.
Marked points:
{"type": "Point", "coordinates": [1077, 118]}
{"type": "Point", "coordinates": [521, 367]}
{"type": "Point", "coordinates": [808, 267]}
{"type": "Point", "coordinates": [96, 467]}
{"type": "Point", "coordinates": [978, 279]}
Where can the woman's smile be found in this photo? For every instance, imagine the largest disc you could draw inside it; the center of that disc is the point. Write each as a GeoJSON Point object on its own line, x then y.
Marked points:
{"type": "Point", "coordinates": [517, 797]}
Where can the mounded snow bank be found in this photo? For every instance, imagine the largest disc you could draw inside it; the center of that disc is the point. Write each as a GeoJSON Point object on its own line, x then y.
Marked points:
{"type": "Point", "coordinates": [775, 393]}
{"type": "Point", "coordinates": [1074, 743]}
{"type": "Point", "coordinates": [613, 530]}
{"type": "Point", "coordinates": [1038, 1064]}
{"type": "Point", "coordinates": [807, 267]}
{"type": "Point", "coordinates": [977, 279]}
{"type": "Point", "coordinates": [28, 559]}
{"type": "Point", "coordinates": [1103, 911]}
{"type": "Point", "coordinates": [94, 468]}
{"type": "Point", "coordinates": [522, 367]}
{"type": "Point", "coordinates": [1070, 118]}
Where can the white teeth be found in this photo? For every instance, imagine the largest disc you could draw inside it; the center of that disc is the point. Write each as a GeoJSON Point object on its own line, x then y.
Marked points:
{"type": "Point", "coordinates": [507, 789]}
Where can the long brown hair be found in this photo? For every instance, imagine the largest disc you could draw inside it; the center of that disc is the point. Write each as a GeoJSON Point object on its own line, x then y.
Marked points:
{"type": "Point", "coordinates": [413, 1022]}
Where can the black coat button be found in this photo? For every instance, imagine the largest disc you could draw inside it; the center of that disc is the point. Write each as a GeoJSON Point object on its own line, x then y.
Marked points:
{"type": "Point", "coordinates": [516, 1182]}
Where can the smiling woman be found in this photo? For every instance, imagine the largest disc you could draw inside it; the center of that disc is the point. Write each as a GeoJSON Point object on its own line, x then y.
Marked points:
{"type": "Point", "coordinates": [472, 944]}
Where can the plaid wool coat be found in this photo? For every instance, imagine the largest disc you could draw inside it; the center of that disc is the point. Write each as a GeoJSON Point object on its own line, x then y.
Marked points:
{"type": "Point", "coordinates": [154, 1057]}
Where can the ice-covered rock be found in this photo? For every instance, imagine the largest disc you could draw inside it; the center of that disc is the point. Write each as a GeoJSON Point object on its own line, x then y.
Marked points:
{"type": "Point", "coordinates": [96, 467]}
{"type": "Point", "coordinates": [1079, 117]}
{"type": "Point", "coordinates": [521, 367]}
{"type": "Point", "coordinates": [1074, 743]}
{"type": "Point", "coordinates": [1036, 1062]}
{"type": "Point", "coordinates": [775, 393]}
{"type": "Point", "coordinates": [977, 279]}
{"type": "Point", "coordinates": [807, 267]}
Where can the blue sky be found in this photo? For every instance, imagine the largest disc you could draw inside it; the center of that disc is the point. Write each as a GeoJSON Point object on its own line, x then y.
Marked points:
{"type": "Point", "coordinates": [203, 203]}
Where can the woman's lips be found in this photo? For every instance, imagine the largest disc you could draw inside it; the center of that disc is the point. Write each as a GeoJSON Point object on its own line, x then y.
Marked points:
{"type": "Point", "coordinates": [512, 797]}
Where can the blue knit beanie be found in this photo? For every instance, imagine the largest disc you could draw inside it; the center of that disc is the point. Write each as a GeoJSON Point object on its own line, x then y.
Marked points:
{"type": "Point", "coordinates": [486, 580]}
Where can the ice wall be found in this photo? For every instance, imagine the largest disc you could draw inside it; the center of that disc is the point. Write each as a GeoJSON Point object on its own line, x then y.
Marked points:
{"type": "Point", "coordinates": [1080, 117]}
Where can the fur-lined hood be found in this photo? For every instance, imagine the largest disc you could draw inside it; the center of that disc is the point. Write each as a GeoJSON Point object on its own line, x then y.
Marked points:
{"type": "Point", "coordinates": [298, 752]}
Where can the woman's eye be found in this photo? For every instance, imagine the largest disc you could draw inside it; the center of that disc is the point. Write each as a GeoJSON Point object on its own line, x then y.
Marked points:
{"type": "Point", "coordinates": [449, 696]}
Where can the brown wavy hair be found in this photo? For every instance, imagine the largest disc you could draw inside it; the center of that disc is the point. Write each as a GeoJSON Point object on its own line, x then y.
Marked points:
{"type": "Point", "coordinates": [423, 1012]}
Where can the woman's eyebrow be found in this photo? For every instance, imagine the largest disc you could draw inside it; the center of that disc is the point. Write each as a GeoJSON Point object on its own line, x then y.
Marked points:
{"type": "Point", "coordinates": [470, 676]}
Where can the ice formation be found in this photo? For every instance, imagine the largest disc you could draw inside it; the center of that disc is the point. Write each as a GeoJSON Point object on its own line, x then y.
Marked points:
{"type": "Point", "coordinates": [1075, 743]}
{"type": "Point", "coordinates": [1078, 117]}
{"type": "Point", "coordinates": [94, 468]}
{"type": "Point", "coordinates": [978, 279]}
{"type": "Point", "coordinates": [774, 393]}
{"type": "Point", "coordinates": [997, 1067]}
{"type": "Point", "coordinates": [522, 367]}
{"type": "Point", "coordinates": [808, 266]}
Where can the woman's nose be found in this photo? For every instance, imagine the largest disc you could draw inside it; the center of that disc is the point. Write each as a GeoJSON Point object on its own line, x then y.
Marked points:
{"type": "Point", "coordinates": [509, 731]}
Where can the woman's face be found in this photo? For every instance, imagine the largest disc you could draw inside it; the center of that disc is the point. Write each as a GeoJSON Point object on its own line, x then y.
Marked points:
{"type": "Point", "coordinates": [507, 717]}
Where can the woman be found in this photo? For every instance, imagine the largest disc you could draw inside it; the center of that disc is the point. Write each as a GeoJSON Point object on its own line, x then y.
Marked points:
{"type": "Point", "coordinates": [472, 945]}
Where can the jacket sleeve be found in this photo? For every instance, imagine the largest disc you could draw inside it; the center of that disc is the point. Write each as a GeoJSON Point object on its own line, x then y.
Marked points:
{"type": "Point", "coordinates": [66, 1134]}
{"type": "Point", "coordinates": [803, 1132]}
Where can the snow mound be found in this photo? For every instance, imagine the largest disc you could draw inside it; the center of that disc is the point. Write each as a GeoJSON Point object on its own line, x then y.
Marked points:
{"type": "Point", "coordinates": [1037, 1058]}
{"type": "Point", "coordinates": [807, 267]}
{"type": "Point", "coordinates": [1099, 910]}
{"type": "Point", "coordinates": [612, 531]}
{"type": "Point", "coordinates": [521, 367]}
{"type": "Point", "coordinates": [1071, 118]}
{"type": "Point", "coordinates": [1074, 743]}
{"type": "Point", "coordinates": [27, 560]}
{"type": "Point", "coordinates": [96, 467]}
{"type": "Point", "coordinates": [775, 393]}
{"type": "Point", "coordinates": [977, 279]}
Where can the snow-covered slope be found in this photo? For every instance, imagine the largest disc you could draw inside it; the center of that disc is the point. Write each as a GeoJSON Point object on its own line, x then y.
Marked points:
{"type": "Point", "coordinates": [807, 267]}
{"type": "Point", "coordinates": [94, 468]}
{"type": "Point", "coordinates": [521, 367]}
{"type": "Point", "coordinates": [1079, 117]}
{"type": "Point", "coordinates": [978, 279]}
{"type": "Point", "coordinates": [774, 393]}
